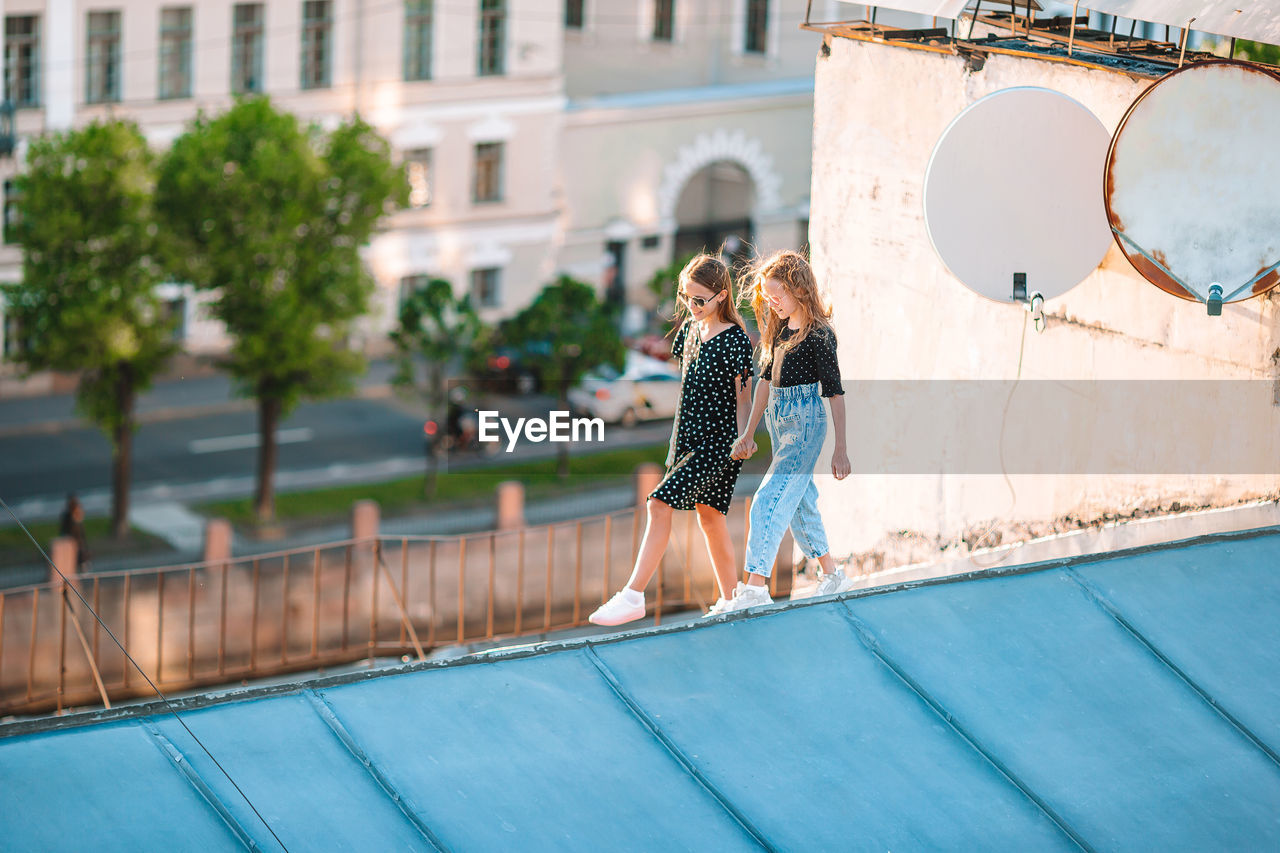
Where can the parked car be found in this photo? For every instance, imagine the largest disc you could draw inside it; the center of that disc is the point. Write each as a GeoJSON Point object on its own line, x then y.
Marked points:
{"type": "Point", "coordinates": [645, 389]}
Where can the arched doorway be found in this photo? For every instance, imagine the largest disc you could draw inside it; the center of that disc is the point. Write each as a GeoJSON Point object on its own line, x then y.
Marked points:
{"type": "Point", "coordinates": [714, 211]}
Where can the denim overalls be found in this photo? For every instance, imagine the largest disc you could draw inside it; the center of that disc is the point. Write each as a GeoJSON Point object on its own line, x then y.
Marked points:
{"type": "Point", "coordinates": [787, 497]}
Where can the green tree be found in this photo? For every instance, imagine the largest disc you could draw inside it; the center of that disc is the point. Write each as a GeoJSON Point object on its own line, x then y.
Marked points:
{"type": "Point", "coordinates": [270, 216]}
{"type": "Point", "coordinates": [435, 328]}
{"type": "Point", "coordinates": [1258, 51]}
{"type": "Point", "coordinates": [90, 263]}
{"type": "Point", "coordinates": [566, 332]}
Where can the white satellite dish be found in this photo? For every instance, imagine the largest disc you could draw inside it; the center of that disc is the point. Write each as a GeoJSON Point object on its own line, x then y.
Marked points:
{"type": "Point", "coordinates": [1011, 196]}
{"type": "Point", "coordinates": [1193, 182]}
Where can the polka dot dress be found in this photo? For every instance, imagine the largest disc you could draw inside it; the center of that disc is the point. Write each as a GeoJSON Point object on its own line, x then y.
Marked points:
{"type": "Point", "coordinates": [699, 470]}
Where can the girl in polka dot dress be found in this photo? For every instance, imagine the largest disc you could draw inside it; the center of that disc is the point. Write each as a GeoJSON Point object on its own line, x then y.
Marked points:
{"type": "Point", "coordinates": [715, 357]}
{"type": "Point", "coordinates": [798, 368]}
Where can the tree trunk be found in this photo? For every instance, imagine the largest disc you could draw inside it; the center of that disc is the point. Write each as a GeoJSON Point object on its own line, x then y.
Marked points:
{"type": "Point", "coordinates": [429, 487]}
{"type": "Point", "coordinates": [122, 454]}
{"type": "Point", "coordinates": [264, 502]}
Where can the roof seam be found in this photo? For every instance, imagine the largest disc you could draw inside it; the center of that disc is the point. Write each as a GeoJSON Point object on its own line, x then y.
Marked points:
{"type": "Point", "coordinates": [326, 713]}
{"type": "Point", "coordinates": [179, 760]}
{"type": "Point", "coordinates": [868, 640]}
{"type": "Point", "coordinates": [674, 751]}
{"type": "Point", "coordinates": [1103, 603]}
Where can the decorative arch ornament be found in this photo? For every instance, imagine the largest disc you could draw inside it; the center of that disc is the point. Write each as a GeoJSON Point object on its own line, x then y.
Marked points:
{"type": "Point", "coordinates": [714, 147]}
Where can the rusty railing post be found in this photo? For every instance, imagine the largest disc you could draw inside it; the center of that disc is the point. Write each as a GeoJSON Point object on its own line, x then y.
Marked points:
{"type": "Point", "coordinates": [519, 580]}
{"type": "Point", "coordinates": [577, 578]}
{"type": "Point", "coordinates": [315, 604]}
{"type": "Point", "coordinates": [222, 623]}
{"type": "Point", "coordinates": [493, 547]}
{"type": "Point", "coordinates": [462, 582]}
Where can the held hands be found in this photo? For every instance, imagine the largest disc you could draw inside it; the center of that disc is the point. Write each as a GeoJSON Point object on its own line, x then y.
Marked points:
{"type": "Point", "coordinates": [840, 464]}
{"type": "Point", "coordinates": [743, 448]}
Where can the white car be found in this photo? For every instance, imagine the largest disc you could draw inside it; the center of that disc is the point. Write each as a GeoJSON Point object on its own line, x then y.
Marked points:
{"type": "Point", "coordinates": [645, 389]}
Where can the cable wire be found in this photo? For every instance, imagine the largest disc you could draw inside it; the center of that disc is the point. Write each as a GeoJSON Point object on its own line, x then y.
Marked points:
{"type": "Point", "coordinates": [1004, 471]}
{"type": "Point", "coordinates": [68, 585]}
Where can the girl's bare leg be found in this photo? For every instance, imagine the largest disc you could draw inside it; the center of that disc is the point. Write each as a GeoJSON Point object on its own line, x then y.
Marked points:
{"type": "Point", "coordinates": [715, 527]}
{"type": "Point", "coordinates": [656, 533]}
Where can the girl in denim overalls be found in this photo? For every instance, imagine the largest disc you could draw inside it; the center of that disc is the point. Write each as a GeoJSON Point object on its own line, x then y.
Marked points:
{"type": "Point", "coordinates": [798, 367]}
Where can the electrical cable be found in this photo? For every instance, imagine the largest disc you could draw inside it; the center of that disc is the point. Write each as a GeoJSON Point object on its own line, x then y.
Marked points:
{"type": "Point", "coordinates": [68, 585]}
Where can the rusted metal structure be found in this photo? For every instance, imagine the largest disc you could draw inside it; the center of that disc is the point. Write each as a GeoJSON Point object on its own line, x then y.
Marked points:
{"type": "Point", "coordinates": [1016, 27]}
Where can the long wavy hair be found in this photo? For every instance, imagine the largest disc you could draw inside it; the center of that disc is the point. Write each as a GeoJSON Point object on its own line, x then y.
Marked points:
{"type": "Point", "coordinates": [712, 273]}
{"type": "Point", "coordinates": [792, 271]}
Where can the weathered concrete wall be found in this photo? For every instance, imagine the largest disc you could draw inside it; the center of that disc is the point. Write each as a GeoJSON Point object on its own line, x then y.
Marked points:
{"type": "Point", "coordinates": [879, 111]}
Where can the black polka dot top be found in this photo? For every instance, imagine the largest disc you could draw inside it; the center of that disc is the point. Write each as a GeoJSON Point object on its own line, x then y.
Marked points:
{"type": "Point", "coordinates": [708, 415]}
{"type": "Point", "coordinates": [812, 360]}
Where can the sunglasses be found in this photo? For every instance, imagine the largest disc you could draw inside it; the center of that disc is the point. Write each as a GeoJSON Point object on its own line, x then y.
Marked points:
{"type": "Point", "coordinates": [697, 301]}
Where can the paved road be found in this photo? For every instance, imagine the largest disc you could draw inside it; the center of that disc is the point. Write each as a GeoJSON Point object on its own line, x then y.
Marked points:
{"type": "Point", "coordinates": [197, 442]}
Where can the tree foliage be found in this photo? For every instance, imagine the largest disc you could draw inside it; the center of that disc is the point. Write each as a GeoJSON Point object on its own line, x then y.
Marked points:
{"type": "Point", "coordinates": [435, 328]}
{"type": "Point", "coordinates": [566, 332]}
{"type": "Point", "coordinates": [92, 258]}
{"type": "Point", "coordinates": [270, 216]}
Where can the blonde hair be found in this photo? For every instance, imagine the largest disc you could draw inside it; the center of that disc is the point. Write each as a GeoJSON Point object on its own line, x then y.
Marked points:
{"type": "Point", "coordinates": [792, 271]}
{"type": "Point", "coordinates": [712, 273]}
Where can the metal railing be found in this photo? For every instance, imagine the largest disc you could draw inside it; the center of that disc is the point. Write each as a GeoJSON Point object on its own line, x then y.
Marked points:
{"type": "Point", "coordinates": [207, 624]}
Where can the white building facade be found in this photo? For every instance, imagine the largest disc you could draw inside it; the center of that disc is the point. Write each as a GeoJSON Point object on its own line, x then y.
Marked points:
{"type": "Point", "coordinates": [595, 138]}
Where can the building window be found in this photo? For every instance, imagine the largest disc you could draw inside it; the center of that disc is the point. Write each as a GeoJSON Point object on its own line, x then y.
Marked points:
{"type": "Point", "coordinates": [664, 20]}
{"type": "Point", "coordinates": [175, 53]}
{"type": "Point", "coordinates": [411, 284]}
{"type": "Point", "coordinates": [22, 60]}
{"type": "Point", "coordinates": [102, 80]}
{"type": "Point", "coordinates": [486, 286]}
{"type": "Point", "coordinates": [12, 211]}
{"type": "Point", "coordinates": [493, 24]}
{"type": "Point", "coordinates": [246, 48]}
{"type": "Point", "coordinates": [317, 40]}
{"type": "Point", "coordinates": [574, 13]}
{"type": "Point", "coordinates": [488, 186]}
{"type": "Point", "coordinates": [418, 170]}
{"type": "Point", "coordinates": [757, 26]}
{"type": "Point", "coordinates": [417, 39]}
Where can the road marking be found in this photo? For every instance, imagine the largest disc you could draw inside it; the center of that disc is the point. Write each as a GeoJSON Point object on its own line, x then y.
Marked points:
{"type": "Point", "coordinates": [242, 442]}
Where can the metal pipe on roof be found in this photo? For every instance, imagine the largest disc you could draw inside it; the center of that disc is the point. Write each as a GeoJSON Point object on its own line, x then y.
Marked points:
{"type": "Point", "coordinates": [1071, 40]}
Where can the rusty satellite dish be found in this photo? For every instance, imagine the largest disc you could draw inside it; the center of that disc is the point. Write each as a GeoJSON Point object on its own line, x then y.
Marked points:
{"type": "Point", "coordinates": [1011, 198]}
{"type": "Point", "coordinates": [1193, 182]}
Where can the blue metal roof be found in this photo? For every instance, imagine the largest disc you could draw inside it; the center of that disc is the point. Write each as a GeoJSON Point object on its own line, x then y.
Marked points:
{"type": "Point", "coordinates": [1127, 702]}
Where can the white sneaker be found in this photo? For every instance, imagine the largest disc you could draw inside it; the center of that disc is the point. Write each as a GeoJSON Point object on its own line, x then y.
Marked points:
{"type": "Point", "coordinates": [833, 583]}
{"type": "Point", "coordinates": [717, 608]}
{"type": "Point", "coordinates": [747, 596]}
{"type": "Point", "coordinates": [617, 610]}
